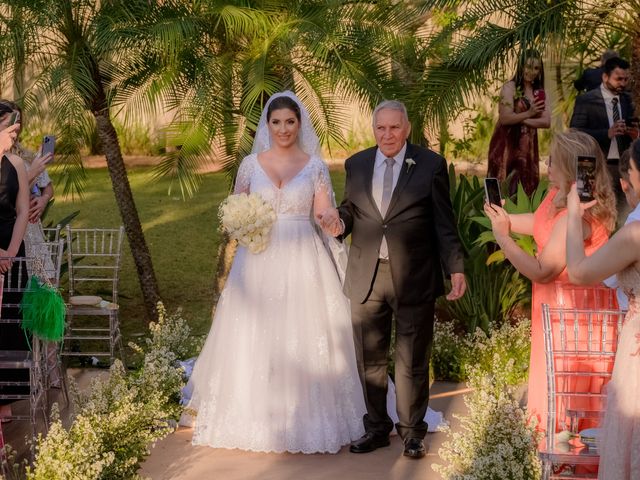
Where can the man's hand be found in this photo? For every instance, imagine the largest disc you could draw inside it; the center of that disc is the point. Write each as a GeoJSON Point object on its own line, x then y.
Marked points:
{"type": "Point", "coordinates": [458, 286]}
{"type": "Point", "coordinates": [36, 207]}
{"type": "Point", "coordinates": [618, 128]}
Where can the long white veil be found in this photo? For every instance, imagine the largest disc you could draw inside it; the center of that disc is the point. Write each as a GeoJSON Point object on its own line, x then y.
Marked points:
{"type": "Point", "coordinates": [310, 143]}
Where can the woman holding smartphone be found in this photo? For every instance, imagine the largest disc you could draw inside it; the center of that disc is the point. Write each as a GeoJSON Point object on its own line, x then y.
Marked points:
{"type": "Point", "coordinates": [548, 225]}
{"type": "Point", "coordinates": [522, 111]}
{"type": "Point", "coordinates": [619, 442]}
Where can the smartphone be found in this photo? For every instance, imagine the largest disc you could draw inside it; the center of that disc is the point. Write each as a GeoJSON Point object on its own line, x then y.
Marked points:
{"type": "Point", "coordinates": [48, 145]}
{"type": "Point", "coordinates": [585, 177]}
{"type": "Point", "coordinates": [539, 95]}
{"type": "Point", "coordinates": [15, 118]}
{"type": "Point", "coordinates": [492, 191]}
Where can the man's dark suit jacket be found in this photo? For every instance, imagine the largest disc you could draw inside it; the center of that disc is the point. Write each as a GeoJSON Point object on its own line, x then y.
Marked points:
{"type": "Point", "coordinates": [590, 116]}
{"type": "Point", "coordinates": [419, 227]}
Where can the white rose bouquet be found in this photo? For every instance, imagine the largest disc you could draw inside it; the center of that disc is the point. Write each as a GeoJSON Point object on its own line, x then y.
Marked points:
{"type": "Point", "coordinates": [248, 219]}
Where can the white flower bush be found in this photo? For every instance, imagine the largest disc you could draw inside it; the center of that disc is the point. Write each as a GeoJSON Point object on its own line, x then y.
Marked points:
{"type": "Point", "coordinates": [248, 219]}
{"type": "Point", "coordinates": [505, 352]}
{"type": "Point", "coordinates": [496, 440]}
{"type": "Point", "coordinates": [120, 417]}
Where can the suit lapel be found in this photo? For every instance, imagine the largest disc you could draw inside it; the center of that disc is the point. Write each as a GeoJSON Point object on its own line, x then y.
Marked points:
{"type": "Point", "coordinates": [369, 164]}
{"type": "Point", "coordinates": [403, 179]}
{"type": "Point", "coordinates": [602, 108]}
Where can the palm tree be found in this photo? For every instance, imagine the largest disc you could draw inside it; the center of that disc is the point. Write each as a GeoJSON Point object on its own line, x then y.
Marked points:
{"type": "Point", "coordinates": [212, 63]}
{"type": "Point", "coordinates": [82, 69]}
{"type": "Point", "coordinates": [330, 52]}
{"type": "Point", "coordinates": [486, 38]}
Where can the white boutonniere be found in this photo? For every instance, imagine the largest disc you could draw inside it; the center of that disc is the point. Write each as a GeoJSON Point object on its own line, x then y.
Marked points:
{"type": "Point", "coordinates": [410, 163]}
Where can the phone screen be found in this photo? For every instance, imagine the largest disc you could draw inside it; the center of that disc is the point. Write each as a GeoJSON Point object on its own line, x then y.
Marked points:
{"type": "Point", "coordinates": [585, 177]}
{"type": "Point", "coordinates": [492, 191]}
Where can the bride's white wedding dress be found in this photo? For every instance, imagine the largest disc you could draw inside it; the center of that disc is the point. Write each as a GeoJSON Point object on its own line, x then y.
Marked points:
{"type": "Point", "coordinates": [277, 372]}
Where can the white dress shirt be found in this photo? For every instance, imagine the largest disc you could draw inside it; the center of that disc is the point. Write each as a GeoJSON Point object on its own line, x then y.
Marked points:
{"type": "Point", "coordinates": [377, 185]}
{"type": "Point", "coordinates": [608, 95]}
{"type": "Point", "coordinates": [612, 281]}
{"type": "Point", "coordinates": [378, 174]}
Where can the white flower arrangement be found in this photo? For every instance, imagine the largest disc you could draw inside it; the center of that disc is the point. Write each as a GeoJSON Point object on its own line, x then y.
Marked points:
{"type": "Point", "coordinates": [247, 218]}
{"type": "Point", "coordinates": [497, 440]}
{"type": "Point", "coordinates": [122, 414]}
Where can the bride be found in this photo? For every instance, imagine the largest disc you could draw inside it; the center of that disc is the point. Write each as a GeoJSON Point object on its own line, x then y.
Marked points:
{"type": "Point", "coordinates": [278, 370]}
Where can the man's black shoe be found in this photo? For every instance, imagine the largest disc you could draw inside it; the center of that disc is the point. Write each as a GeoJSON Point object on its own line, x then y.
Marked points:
{"type": "Point", "coordinates": [414, 448]}
{"type": "Point", "coordinates": [369, 442]}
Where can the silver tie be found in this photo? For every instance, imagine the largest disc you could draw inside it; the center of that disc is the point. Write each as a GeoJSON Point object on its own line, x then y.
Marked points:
{"type": "Point", "coordinates": [387, 190]}
{"type": "Point", "coordinates": [387, 185]}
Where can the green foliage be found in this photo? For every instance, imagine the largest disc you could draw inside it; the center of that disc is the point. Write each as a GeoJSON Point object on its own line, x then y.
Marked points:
{"type": "Point", "coordinates": [487, 38]}
{"type": "Point", "coordinates": [503, 352]}
{"type": "Point", "coordinates": [121, 415]}
{"type": "Point", "coordinates": [477, 131]}
{"type": "Point", "coordinates": [494, 292]}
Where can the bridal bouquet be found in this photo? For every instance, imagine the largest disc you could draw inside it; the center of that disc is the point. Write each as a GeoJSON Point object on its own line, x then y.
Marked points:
{"type": "Point", "coordinates": [248, 219]}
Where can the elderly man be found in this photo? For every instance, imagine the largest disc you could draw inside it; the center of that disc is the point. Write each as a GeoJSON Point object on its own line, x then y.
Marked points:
{"type": "Point", "coordinates": [398, 212]}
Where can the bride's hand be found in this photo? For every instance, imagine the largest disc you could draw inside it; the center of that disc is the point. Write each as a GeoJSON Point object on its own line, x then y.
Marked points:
{"type": "Point", "coordinates": [329, 221]}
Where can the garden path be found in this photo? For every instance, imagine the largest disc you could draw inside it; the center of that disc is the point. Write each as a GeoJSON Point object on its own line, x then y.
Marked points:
{"type": "Point", "coordinates": [176, 459]}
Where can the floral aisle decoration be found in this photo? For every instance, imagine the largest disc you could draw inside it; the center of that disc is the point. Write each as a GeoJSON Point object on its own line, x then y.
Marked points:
{"type": "Point", "coordinates": [247, 218]}
{"type": "Point", "coordinates": [504, 351]}
{"type": "Point", "coordinates": [496, 439]}
{"type": "Point", "coordinates": [122, 415]}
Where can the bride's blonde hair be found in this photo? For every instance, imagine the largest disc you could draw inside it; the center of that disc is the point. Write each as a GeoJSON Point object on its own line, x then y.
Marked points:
{"type": "Point", "coordinates": [564, 149]}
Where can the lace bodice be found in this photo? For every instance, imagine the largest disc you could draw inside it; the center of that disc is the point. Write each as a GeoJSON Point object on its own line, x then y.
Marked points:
{"type": "Point", "coordinates": [296, 196]}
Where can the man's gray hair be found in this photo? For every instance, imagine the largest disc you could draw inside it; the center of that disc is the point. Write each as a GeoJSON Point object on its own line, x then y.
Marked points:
{"type": "Point", "coordinates": [390, 105]}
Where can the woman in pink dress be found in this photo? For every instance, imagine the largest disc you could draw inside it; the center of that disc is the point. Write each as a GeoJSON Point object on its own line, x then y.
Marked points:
{"type": "Point", "coordinates": [619, 442]}
{"type": "Point", "coordinates": [548, 225]}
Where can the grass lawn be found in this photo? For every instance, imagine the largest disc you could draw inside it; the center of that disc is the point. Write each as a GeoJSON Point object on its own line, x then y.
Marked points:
{"type": "Point", "coordinates": [182, 236]}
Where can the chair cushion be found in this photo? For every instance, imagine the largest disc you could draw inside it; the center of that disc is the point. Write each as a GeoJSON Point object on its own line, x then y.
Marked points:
{"type": "Point", "coordinates": [85, 300]}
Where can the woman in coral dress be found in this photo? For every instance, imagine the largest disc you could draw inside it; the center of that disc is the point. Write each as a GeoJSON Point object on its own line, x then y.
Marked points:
{"type": "Point", "coordinates": [547, 270]}
{"type": "Point", "coordinates": [619, 442]}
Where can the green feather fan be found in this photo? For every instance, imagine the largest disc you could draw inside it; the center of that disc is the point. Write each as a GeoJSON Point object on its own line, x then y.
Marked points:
{"type": "Point", "coordinates": [43, 311]}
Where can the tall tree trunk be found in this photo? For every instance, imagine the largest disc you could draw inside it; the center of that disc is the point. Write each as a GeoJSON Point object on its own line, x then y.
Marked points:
{"type": "Point", "coordinates": [635, 66]}
{"type": "Point", "coordinates": [128, 212]}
